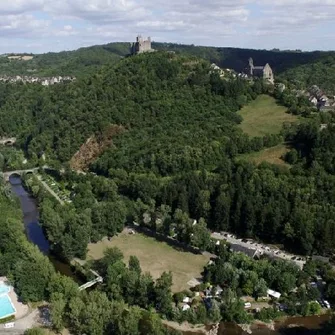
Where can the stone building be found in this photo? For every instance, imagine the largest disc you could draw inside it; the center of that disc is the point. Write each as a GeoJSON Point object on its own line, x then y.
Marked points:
{"type": "Point", "coordinates": [264, 72]}
{"type": "Point", "coordinates": [141, 45]}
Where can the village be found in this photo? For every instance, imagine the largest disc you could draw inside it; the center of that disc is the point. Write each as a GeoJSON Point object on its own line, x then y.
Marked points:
{"type": "Point", "coordinates": [318, 98]}
{"type": "Point", "coordinates": [44, 81]}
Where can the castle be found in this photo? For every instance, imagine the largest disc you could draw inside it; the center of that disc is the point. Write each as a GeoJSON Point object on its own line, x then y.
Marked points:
{"type": "Point", "coordinates": [264, 72]}
{"type": "Point", "coordinates": [141, 45]}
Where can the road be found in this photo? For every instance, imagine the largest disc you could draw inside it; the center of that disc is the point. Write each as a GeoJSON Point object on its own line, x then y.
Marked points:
{"type": "Point", "coordinates": [50, 190]}
{"type": "Point", "coordinates": [265, 249]}
{"type": "Point", "coordinates": [22, 324]}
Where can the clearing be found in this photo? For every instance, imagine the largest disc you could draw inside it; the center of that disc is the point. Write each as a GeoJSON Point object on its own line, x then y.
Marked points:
{"type": "Point", "coordinates": [264, 116]}
{"type": "Point", "coordinates": [94, 147]}
{"type": "Point", "coordinates": [155, 257]}
{"type": "Point", "coordinates": [271, 155]}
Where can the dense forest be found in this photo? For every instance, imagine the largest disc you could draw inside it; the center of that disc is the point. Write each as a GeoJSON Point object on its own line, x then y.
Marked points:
{"type": "Point", "coordinates": [178, 150]}
{"type": "Point", "coordinates": [175, 161]}
{"type": "Point", "coordinates": [36, 280]}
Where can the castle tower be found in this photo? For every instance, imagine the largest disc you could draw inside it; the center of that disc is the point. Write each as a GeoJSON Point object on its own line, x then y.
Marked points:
{"type": "Point", "coordinates": [251, 66]}
{"type": "Point", "coordinates": [141, 45]}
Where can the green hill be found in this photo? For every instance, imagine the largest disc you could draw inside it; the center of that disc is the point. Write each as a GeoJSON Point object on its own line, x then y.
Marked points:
{"type": "Point", "coordinates": [79, 63]}
{"type": "Point", "coordinates": [304, 68]}
{"type": "Point", "coordinates": [178, 139]}
{"type": "Point", "coordinates": [168, 104]}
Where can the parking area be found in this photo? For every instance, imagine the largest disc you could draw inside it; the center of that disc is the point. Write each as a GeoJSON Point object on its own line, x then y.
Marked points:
{"type": "Point", "coordinates": [264, 249]}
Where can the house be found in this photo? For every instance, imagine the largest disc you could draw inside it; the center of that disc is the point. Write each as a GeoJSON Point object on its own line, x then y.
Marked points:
{"type": "Point", "coordinates": [187, 300]}
{"type": "Point", "coordinates": [273, 294]}
{"type": "Point", "coordinates": [247, 305]}
{"type": "Point", "coordinates": [217, 69]}
{"type": "Point", "coordinates": [313, 100]}
{"type": "Point", "coordinates": [218, 290]}
{"type": "Point", "coordinates": [186, 307]}
{"type": "Point", "coordinates": [249, 251]}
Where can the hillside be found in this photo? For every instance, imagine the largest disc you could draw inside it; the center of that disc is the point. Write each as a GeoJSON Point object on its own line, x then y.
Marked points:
{"type": "Point", "coordinates": [176, 157]}
{"type": "Point", "coordinates": [305, 68]}
{"type": "Point", "coordinates": [79, 63]}
{"type": "Point", "coordinates": [320, 72]}
{"type": "Point", "coordinates": [159, 95]}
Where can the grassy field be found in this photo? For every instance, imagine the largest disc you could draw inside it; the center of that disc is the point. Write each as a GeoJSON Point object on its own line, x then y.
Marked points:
{"type": "Point", "coordinates": [264, 116]}
{"type": "Point", "coordinates": [271, 155]}
{"type": "Point", "coordinates": [155, 257]}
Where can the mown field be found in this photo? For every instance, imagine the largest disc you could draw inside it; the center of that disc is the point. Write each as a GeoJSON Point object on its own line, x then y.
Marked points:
{"type": "Point", "coordinates": [155, 257]}
{"type": "Point", "coordinates": [264, 116]}
{"type": "Point", "coordinates": [271, 155]}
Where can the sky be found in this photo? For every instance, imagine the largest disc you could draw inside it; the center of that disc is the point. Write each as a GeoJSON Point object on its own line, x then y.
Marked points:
{"type": "Point", "coordinates": [39, 26]}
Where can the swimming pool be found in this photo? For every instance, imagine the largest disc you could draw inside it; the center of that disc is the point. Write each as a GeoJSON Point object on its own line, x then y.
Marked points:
{"type": "Point", "coordinates": [4, 289]}
{"type": "Point", "coordinates": [6, 307]}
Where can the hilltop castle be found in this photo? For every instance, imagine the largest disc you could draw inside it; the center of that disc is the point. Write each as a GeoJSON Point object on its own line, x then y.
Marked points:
{"type": "Point", "coordinates": [264, 72]}
{"type": "Point", "coordinates": [141, 45]}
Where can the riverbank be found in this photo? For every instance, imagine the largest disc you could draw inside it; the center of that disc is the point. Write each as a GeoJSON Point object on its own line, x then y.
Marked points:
{"type": "Point", "coordinates": [34, 231]}
{"type": "Point", "coordinates": [257, 327]}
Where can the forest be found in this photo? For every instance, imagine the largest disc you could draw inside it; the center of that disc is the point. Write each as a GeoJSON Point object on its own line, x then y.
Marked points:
{"type": "Point", "coordinates": [175, 162]}
{"type": "Point", "coordinates": [178, 152]}
{"type": "Point", "coordinates": [303, 69]}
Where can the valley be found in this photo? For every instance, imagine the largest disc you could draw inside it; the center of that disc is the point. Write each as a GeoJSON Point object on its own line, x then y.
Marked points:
{"type": "Point", "coordinates": [162, 140]}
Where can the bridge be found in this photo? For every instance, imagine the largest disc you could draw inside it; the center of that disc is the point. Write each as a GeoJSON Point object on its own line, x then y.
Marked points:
{"type": "Point", "coordinates": [7, 174]}
{"type": "Point", "coordinates": [7, 140]}
{"type": "Point", "coordinates": [91, 283]}
{"type": "Point", "coordinates": [98, 278]}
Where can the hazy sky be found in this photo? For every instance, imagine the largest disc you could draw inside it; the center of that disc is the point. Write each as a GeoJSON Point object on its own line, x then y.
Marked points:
{"type": "Point", "coordinates": [54, 25]}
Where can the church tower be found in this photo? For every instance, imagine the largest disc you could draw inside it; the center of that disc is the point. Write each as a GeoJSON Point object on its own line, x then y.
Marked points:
{"type": "Point", "coordinates": [251, 66]}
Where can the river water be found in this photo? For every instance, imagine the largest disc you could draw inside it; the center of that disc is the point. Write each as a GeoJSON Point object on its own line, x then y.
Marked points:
{"type": "Point", "coordinates": [33, 229]}
{"type": "Point", "coordinates": [304, 325]}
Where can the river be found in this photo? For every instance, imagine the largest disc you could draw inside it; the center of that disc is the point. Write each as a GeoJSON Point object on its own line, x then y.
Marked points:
{"type": "Point", "coordinates": [36, 235]}
{"type": "Point", "coordinates": [33, 229]}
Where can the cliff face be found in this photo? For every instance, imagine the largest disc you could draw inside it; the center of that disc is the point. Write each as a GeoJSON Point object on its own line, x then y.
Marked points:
{"type": "Point", "coordinates": [94, 147]}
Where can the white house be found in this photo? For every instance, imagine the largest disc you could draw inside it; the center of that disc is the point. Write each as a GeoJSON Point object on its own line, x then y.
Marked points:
{"type": "Point", "coordinates": [273, 294]}
{"type": "Point", "coordinates": [187, 300]}
{"type": "Point", "coordinates": [186, 307]}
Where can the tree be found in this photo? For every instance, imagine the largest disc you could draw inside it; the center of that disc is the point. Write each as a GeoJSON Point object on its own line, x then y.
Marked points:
{"type": "Point", "coordinates": [150, 324]}
{"type": "Point", "coordinates": [57, 311]}
{"type": "Point", "coordinates": [35, 331]}
{"type": "Point", "coordinates": [63, 285]}
{"type": "Point", "coordinates": [128, 321]}
{"type": "Point", "coordinates": [134, 265]}
{"type": "Point", "coordinates": [201, 236]}
{"type": "Point", "coordinates": [32, 278]}
{"type": "Point", "coordinates": [286, 282]}
{"type": "Point", "coordinates": [261, 288]}
{"type": "Point", "coordinates": [163, 293]}
{"type": "Point", "coordinates": [111, 256]}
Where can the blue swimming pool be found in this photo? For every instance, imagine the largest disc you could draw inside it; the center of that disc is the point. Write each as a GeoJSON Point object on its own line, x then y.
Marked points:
{"type": "Point", "coordinates": [3, 288]}
{"type": "Point", "coordinates": [6, 307]}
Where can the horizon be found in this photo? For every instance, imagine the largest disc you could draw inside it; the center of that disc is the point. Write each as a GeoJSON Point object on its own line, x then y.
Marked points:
{"type": "Point", "coordinates": [182, 44]}
{"type": "Point", "coordinates": [40, 26]}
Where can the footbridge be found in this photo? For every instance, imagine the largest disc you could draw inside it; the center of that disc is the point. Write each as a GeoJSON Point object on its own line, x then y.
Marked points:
{"type": "Point", "coordinates": [7, 140]}
{"type": "Point", "coordinates": [97, 279]}
{"type": "Point", "coordinates": [7, 174]}
{"type": "Point", "coordinates": [91, 283]}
